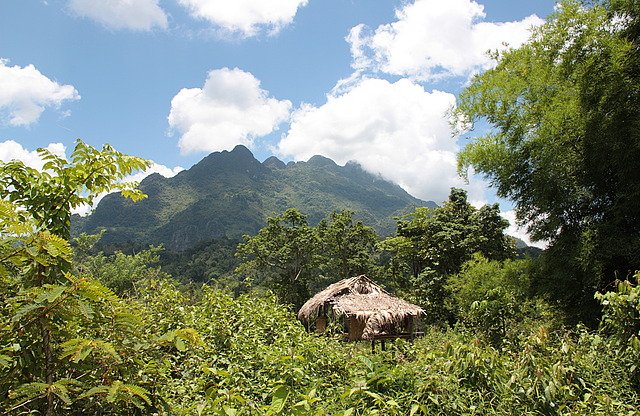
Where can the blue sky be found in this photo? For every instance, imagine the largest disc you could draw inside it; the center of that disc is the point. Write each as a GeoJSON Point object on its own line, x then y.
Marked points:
{"type": "Point", "coordinates": [173, 80]}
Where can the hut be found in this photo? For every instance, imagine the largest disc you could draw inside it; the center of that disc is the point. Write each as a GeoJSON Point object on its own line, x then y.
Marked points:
{"type": "Point", "coordinates": [367, 311]}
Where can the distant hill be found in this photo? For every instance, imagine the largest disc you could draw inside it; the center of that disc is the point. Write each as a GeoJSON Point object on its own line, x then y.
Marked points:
{"type": "Point", "coordinates": [229, 194]}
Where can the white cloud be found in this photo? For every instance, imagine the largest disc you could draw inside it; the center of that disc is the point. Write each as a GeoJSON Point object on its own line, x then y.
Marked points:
{"type": "Point", "coordinates": [432, 39]}
{"type": "Point", "coordinates": [122, 14]}
{"type": "Point", "coordinates": [155, 168]}
{"type": "Point", "coordinates": [520, 232]}
{"type": "Point", "coordinates": [397, 130]}
{"type": "Point", "coordinates": [229, 109]}
{"type": "Point", "coordinates": [11, 150]}
{"type": "Point", "coordinates": [358, 44]}
{"type": "Point", "coordinates": [245, 17]}
{"type": "Point", "coordinates": [25, 92]}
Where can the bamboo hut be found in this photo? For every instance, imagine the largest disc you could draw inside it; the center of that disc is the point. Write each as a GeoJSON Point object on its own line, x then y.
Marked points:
{"type": "Point", "coordinates": [367, 311]}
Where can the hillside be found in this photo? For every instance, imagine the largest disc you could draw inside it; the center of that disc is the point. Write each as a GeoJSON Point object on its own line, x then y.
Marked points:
{"type": "Point", "coordinates": [229, 194]}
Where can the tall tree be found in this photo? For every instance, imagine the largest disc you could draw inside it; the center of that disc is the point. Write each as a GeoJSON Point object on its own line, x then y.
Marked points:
{"type": "Point", "coordinates": [296, 260]}
{"type": "Point", "coordinates": [281, 256]}
{"type": "Point", "coordinates": [442, 239]}
{"type": "Point", "coordinates": [566, 141]}
{"type": "Point", "coordinates": [347, 248]}
{"type": "Point", "coordinates": [60, 331]}
{"type": "Point", "coordinates": [432, 244]}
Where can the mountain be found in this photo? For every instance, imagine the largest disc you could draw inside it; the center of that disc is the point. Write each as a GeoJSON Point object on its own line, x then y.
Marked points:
{"type": "Point", "coordinates": [229, 194]}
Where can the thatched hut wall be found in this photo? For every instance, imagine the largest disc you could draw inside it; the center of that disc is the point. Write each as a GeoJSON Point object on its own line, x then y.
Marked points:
{"type": "Point", "coordinates": [321, 324]}
{"type": "Point", "coordinates": [355, 327]}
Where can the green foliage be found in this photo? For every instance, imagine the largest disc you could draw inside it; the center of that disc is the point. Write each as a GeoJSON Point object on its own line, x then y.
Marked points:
{"type": "Point", "coordinates": [119, 271]}
{"type": "Point", "coordinates": [431, 244]}
{"type": "Point", "coordinates": [442, 239]}
{"type": "Point", "coordinates": [62, 334]}
{"type": "Point", "coordinates": [48, 196]}
{"type": "Point", "coordinates": [71, 344]}
{"type": "Point", "coordinates": [281, 256]}
{"type": "Point", "coordinates": [621, 321]}
{"type": "Point", "coordinates": [346, 248]}
{"type": "Point", "coordinates": [565, 145]}
{"type": "Point", "coordinates": [494, 299]}
{"type": "Point", "coordinates": [165, 351]}
{"type": "Point", "coordinates": [295, 260]}
{"type": "Point", "coordinates": [208, 262]}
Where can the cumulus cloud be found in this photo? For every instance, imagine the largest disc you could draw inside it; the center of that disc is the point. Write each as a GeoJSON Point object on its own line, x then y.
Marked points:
{"type": "Point", "coordinates": [245, 17]}
{"type": "Point", "coordinates": [397, 130]}
{"type": "Point", "coordinates": [12, 150]}
{"type": "Point", "coordinates": [155, 168]}
{"type": "Point", "coordinates": [229, 109]}
{"type": "Point", "coordinates": [25, 92]}
{"type": "Point", "coordinates": [139, 15]}
{"type": "Point", "coordinates": [520, 232]}
{"type": "Point", "coordinates": [432, 39]}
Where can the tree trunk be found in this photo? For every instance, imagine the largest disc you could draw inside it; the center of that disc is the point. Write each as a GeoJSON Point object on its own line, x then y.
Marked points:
{"type": "Point", "coordinates": [48, 363]}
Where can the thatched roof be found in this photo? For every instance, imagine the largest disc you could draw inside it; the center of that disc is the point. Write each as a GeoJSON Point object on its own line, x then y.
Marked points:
{"type": "Point", "coordinates": [362, 298]}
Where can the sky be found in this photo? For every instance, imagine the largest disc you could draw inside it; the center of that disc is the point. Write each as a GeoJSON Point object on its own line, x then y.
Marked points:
{"type": "Point", "coordinates": [371, 81]}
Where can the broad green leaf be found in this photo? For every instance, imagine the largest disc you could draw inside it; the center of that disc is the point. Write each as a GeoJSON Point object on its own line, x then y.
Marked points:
{"type": "Point", "coordinates": [278, 400]}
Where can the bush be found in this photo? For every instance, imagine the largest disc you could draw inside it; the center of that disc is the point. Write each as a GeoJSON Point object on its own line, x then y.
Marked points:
{"type": "Point", "coordinates": [493, 298]}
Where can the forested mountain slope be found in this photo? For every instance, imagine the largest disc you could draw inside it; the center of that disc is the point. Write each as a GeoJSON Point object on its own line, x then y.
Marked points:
{"type": "Point", "coordinates": [229, 194]}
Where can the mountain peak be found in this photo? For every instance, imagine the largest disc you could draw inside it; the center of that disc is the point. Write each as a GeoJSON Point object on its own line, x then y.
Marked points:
{"type": "Point", "coordinates": [274, 162]}
{"type": "Point", "coordinates": [321, 161]}
{"type": "Point", "coordinates": [241, 149]}
{"type": "Point", "coordinates": [240, 159]}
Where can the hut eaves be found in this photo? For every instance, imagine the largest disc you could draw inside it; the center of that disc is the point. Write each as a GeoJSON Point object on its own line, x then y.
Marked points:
{"type": "Point", "coordinates": [360, 297]}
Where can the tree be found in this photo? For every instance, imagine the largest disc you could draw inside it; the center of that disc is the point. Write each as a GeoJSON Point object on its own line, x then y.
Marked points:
{"type": "Point", "coordinates": [295, 260]}
{"type": "Point", "coordinates": [346, 248]}
{"type": "Point", "coordinates": [281, 256]}
{"type": "Point", "coordinates": [566, 141]}
{"type": "Point", "coordinates": [49, 196]}
{"type": "Point", "coordinates": [406, 245]}
{"type": "Point", "coordinates": [432, 244]}
{"type": "Point", "coordinates": [119, 271]}
{"type": "Point", "coordinates": [443, 238]}
{"type": "Point", "coordinates": [60, 332]}
{"type": "Point", "coordinates": [494, 298]}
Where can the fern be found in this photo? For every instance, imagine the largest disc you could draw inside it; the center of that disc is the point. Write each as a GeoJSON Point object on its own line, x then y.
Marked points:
{"type": "Point", "coordinates": [50, 294]}
{"type": "Point", "coordinates": [79, 349]}
{"type": "Point", "coordinates": [24, 310]}
{"type": "Point", "coordinates": [61, 391]}
{"type": "Point", "coordinates": [55, 246]}
{"type": "Point", "coordinates": [12, 223]}
{"type": "Point", "coordinates": [29, 391]}
{"type": "Point", "coordinates": [85, 309]}
{"type": "Point", "coordinates": [179, 336]}
{"type": "Point", "coordinates": [96, 291]}
{"type": "Point", "coordinates": [99, 390]}
{"type": "Point", "coordinates": [121, 391]}
{"type": "Point", "coordinates": [5, 360]}
{"type": "Point", "coordinates": [126, 321]}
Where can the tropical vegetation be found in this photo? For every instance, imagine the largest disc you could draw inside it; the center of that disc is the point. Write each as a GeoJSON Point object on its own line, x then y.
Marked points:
{"type": "Point", "coordinates": [89, 331]}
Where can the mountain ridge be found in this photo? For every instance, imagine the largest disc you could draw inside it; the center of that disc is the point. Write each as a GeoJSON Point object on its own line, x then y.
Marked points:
{"type": "Point", "coordinates": [231, 193]}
